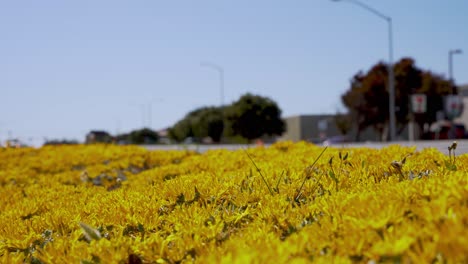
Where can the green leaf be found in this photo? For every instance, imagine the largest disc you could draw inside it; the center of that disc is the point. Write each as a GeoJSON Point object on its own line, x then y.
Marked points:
{"type": "Point", "coordinates": [345, 156]}
{"type": "Point", "coordinates": [332, 175]}
{"type": "Point", "coordinates": [450, 166]}
{"type": "Point", "coordinates": [299, 192]}
{"type": "Point", "coordinates": [278, 182]}
{"type": "Point", "coordinates": [141, 228]}
{"type": "Point", "coordinates": [348, 163]}
{"type": "Point", "coordinates": [259, 172]}
{"type": "Point", "coordinates": [35, 260]}
{"type": "Point", "coordinates": [197, 194]}
{"type": "Point", "coordinates": [180, 199]}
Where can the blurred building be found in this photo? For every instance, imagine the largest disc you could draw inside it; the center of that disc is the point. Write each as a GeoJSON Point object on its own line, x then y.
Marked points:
{"type": "Point", "coordinates": [463, 119]}
{"type": "Point", "coordinates": [312, 128]}
{"type": "Point", "coordinates": [322, 129]}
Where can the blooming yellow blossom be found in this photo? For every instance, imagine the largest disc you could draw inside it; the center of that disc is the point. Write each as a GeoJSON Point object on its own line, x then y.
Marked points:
{"type": "Point", "coordinates": [120, 204]}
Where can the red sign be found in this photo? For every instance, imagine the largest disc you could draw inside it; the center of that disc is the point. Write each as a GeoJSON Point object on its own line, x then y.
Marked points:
{"type": "Point", "coordinates": [453, 106]}
{"type": "Point", "coordinates": [419, 103]}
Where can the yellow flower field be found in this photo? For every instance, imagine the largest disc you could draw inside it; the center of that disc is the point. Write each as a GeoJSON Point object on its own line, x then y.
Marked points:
{"type": "Point", "coordinates": [124, 204]}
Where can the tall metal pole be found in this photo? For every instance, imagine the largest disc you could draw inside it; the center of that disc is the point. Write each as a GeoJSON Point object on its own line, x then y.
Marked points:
{"type": "Point", "coordinates": [450, 65]}
{"type": "Point", "coordinates": [391, 77]}
{"type": "Point", "coordinates": [150, 115]}
{"type": "Point", "coordinates": [451, 52]}
{"type": "Point", "coordinates": [142, 109]}
{"type": "Point", "coordinates": [391, 82]}
{"type": "Point", "coordinates": [221, 85]}
{"type": "Point", "coordinates": [221, 77]}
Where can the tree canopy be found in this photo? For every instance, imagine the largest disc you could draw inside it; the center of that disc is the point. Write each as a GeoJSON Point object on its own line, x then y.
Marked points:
{"type": "Point", "coordinates": [250, 117]}
{"type": "Point", "coordinates": [139, 136]}
{"type": "Point", "coordinates": [367, 99]}
{"type": "Point", "coordinates": [253, 116]}
{"type": "Point", "coordinates": [200, 123]}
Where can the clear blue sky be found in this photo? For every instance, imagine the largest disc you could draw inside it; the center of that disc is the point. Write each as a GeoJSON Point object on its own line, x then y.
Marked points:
{"type": "Point", "coordinates": [67, 67]}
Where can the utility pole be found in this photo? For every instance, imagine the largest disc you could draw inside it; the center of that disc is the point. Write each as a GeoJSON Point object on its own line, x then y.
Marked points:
{"type": "Point", "coordinates": [391, 77]}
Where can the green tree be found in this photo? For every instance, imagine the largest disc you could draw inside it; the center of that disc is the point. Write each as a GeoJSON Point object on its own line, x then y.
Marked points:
{"type": "Point", "coordinates": [143, 136]}
{"type": "Point", "coordinates": [407, 82]}
{"type": "Point", "coordinates": [367, 98]}
{"type": "Point", "coordinates": [181, 130]}
{"type": "Point", "coordinates": [200, 123]}
{"type": "Point", "coordinates": [139, 136]}
{"type": "Point", "coordinates": [208, 122]}
{"type": "Point", "coordinates": [254, 116]}
{"type": "Point", "coordinates": [98, 136]}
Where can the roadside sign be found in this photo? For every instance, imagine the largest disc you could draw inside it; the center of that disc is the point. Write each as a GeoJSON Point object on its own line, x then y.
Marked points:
{"type": "Point", "coordinates": [419, 103]}
{"type": "Point", "coordinates": [453, 106]}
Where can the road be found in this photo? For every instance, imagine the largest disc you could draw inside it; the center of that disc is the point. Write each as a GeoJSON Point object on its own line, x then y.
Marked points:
{"type": "Point", "coordinates": [441, 145]}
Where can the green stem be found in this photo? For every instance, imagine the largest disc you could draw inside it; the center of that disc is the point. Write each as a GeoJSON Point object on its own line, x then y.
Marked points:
{"type": "Point", "coordinates": [278, 182]}
{"type": "Point", "coordinates": [259, 171]}
{"type": "Point", "coordinates": [305, 178]}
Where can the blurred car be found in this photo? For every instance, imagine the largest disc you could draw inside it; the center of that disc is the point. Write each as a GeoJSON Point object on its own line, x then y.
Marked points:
{"type": "Point", "coordinates": [446, 130]}
{"type": "Point", "coordinates": [335, 140]}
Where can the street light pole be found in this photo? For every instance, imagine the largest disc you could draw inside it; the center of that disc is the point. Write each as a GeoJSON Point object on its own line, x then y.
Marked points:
{"type": "Point", "coordinates": [391, 77]}
{"type": "Point", "coordinates": [451, 53]}
{"type": "Point", "coordinates": [147, 112]}
{"type": "Point", "coordinates": [221, 77]}
{"type": "Point", "coordinates": [221, 86]}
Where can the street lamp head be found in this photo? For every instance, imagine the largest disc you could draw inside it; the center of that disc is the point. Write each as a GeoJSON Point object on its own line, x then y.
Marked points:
{"type": "Point", "coordinates": [211, 65]}
{"type": "Point", "coordinates": [456, 51]}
